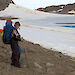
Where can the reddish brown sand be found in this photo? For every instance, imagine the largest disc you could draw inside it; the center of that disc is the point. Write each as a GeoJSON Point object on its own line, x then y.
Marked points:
{"type": "Point", "coordinates": [36, 60]}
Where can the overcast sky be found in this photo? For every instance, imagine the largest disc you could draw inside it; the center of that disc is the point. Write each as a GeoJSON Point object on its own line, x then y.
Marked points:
{"type": "Point", "coordinates": [33, 4]}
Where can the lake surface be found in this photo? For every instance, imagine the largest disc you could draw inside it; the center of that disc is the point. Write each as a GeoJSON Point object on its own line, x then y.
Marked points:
{"type": "Point", "coordinates": [67, 25]}
{"type": "Point", "coordinates": [65, 21]}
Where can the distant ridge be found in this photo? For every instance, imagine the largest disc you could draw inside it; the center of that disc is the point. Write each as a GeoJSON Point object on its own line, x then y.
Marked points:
{"type": "Point", "coordinates": [69, 8]}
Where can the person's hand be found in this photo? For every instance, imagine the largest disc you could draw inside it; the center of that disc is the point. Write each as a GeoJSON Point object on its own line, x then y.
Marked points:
{"type": "Point", "coordinates": [22, 38]}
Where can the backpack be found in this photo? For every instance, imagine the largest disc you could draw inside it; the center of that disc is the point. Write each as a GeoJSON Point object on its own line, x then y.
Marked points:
{"type": "Point", "coordinates": [7, 30]}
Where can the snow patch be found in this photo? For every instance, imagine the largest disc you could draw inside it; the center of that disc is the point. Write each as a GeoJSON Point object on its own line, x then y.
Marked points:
{"type": "Point", "coordinates": [71, 11]}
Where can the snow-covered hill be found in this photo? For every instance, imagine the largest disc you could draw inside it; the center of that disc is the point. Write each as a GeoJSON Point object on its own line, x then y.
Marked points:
{"type": "Point", "coordinates": [20, 12]}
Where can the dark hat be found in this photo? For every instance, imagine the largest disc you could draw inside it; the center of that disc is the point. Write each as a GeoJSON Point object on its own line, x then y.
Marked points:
{"type": "Point", "coordinates": [17, 23]}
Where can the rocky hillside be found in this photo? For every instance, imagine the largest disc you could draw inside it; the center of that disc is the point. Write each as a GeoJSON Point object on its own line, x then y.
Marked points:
{"type": "Point", "coordinates": [4, 4]}
{"type": "Point", "coordinates": [59, 9]}
{"type": "Point", "coordinates": [35, 60]}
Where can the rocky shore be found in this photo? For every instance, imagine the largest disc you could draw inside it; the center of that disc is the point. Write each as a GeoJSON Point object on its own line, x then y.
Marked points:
{"type": "Point", "coordinates": [36, 60]}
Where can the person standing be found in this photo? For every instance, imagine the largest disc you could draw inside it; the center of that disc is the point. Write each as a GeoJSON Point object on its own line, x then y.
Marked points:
{"type": "Point", "coordinates": [15, 37]}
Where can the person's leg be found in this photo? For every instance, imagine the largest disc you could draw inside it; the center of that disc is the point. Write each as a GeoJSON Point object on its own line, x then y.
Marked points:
{"type": "Point", "coordinates": [15, 54]}
{"type": "Point", "coordinates": [12, 58]}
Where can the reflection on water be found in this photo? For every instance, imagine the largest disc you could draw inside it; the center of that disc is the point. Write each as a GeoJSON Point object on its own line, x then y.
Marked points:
{"type": "Point", "coordinates": [71, 25]}
{"type": "Point", "coordinates": [65, 23]}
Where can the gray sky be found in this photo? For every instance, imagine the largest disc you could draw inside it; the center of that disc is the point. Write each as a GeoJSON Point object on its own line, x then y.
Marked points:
{"type": "Point", "coordinates": [33, 4]}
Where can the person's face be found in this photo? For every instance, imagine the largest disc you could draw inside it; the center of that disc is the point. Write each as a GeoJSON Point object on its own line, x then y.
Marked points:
{"type": "Point", "coordinates": [17, 26]}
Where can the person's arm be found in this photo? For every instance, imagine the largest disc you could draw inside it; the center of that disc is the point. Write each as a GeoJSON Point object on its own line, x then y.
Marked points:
{"type": "Point", "coordinates": [16, 35]}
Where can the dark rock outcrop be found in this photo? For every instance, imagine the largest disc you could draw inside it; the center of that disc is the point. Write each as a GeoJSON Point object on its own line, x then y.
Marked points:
{"type": "Point", "coordinates": [5, 3]}
{"type": "Point", "coordinates": [58, 9]}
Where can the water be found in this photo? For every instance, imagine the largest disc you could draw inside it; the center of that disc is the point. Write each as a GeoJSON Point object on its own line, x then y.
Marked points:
{"type": "Point", "coordinates": [70, 25]}
{"type": "Point", "coordinates": [66, 21]}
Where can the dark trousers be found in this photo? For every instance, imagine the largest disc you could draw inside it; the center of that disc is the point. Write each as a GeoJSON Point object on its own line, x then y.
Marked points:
{"type": "Point", "coordinates": [15, 52]}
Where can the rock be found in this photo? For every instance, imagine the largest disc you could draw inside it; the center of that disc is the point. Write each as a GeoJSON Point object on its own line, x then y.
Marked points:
{"type": "Point", "coordinates": [5, 3]}
{"type": "Point", "coordinates": [60, 53]}
{"type": "Point", "coordinates": [37, 65]}
{"type": "Point", "coordinates": [37, 44]}
{"type": "Point", "coordinates": [37, 68]}
{"type": "Point", "coordinates": [49, 64]}
{"type": "Point", "coordinates": [63, 9]}
{"type": "Point", "coordinates": [25, 66]}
